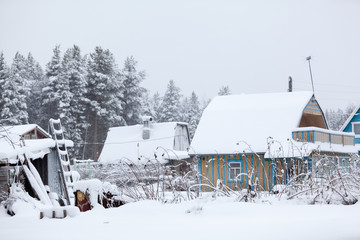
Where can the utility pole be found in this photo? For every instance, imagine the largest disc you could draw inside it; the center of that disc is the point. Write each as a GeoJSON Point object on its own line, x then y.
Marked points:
{"type": "Point", "coordinates": [312, 82]}
{"type": "Point", "coordinates": [290, 84]}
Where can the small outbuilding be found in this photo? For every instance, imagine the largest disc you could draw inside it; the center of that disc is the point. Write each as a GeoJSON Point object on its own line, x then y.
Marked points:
{"type": "Point", "coordinates": [165, 143]}
{"type": "Point", "coordinates": [30, 153]}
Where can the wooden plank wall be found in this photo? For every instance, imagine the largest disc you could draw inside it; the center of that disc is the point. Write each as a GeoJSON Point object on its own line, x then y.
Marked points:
{"type": "Point", "coordinates": [268, 172]}
{"type": "Point", "coordinates": [214, 167]}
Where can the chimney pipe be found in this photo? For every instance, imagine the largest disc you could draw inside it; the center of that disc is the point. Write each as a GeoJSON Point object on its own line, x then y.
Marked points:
{"type": "Point", "coordinates": [290, 84]}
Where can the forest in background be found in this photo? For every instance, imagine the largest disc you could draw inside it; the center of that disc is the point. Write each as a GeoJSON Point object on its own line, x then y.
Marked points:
{"type": "Point", "coordinates": [90, 93]}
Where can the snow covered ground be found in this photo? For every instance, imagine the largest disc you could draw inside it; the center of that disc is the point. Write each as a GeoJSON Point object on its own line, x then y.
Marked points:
{"type": "Point", "coordinates": [203, 218]}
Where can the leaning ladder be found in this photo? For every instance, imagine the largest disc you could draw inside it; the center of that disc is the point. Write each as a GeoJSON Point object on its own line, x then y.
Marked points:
{"type": "Point", "coordinates": [65, 172]}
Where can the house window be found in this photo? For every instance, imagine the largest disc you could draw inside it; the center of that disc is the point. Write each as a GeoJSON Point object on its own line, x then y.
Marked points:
{"type": "Point", "coordinates": [356, 128]}
{"type": "Point", "coordinates": [234, 171]}
{"type": "Point", "coordinates": [33, 136]}
{"type": "Point", "coordinates": [27, 136]}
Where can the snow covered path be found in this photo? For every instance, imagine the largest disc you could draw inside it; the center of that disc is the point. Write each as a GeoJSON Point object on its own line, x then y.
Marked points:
{"type": "Point", "coordinates": [198, 219]}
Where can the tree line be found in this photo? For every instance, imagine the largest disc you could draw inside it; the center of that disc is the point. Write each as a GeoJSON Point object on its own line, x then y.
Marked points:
{"type": "Point", "coordinates": [90, 94]}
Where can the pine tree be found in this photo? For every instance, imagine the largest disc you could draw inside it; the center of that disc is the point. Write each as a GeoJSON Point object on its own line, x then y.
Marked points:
{"type": "Point", "coordinates": [104, 95]}
{"type": "Point", "coordinates": [336, 118]}
{"type": "Point", "coordinates": [156, 104]}
{"type": "Point", "coordinates": [19, 68]}
{"type": "Point", "coordinates": [185, 110]}
{"type": "Point", "coordinates": [14, 107]}
{"type": "Point", "coordinates": [224, 90]}
{"type": "Point", "coordinates": [146, 104]}
{"type": "Point", "coordinates": [132, 92]}
{"type": "Point", "coordinates": [35, 80]}
{"type": "Point", "coordinates": [170, 107]}
{"type": "Point", "coordinates": [4, 74]}
{"type": "Point", "coordinates": [73, 72]}
{"type": "Point", "coordinates": [34, 71]}
{"type": "Point", "coordinates": [194, 114]}
{"type": "Point", "coordinates": [51, 89]}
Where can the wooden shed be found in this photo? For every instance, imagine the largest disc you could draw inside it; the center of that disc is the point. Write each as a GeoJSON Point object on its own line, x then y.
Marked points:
{"type": "Point", "coordinates": [262, 138]}
{"type": "Point", "coordinates": [22, 143]}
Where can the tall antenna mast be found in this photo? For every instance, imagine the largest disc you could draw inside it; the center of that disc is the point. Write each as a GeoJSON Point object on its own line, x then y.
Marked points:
{"type": "Point", "coordinates": [312, 82]}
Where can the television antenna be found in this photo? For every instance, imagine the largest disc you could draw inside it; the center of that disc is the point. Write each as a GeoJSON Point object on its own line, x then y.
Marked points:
{"type": "Point", "coordinates": [312, 82]}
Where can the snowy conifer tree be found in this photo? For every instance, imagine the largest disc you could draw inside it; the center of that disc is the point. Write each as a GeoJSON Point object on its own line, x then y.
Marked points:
{"type": "Point", "coordinates": [51, 91]}
{"type": "Point", "coordinates": [336, 118]}
{"type": "Point", "coordinates": [146, 104]}
{"type": "Point", "coordinates": [185, 110]}
{"type": "Point", "coordinates": [4, 74]}
{"type": "Point", "coordinates": [19, 68]}
{"type": "Point", "coordinates": [156, 104]}
{"type": "Point", "coordinates": [73, 72]}
{"type": "Point", "coordinates": [194, 114]}
{"type": "Point", "coordinates": [14, 109]}
{"type": "Point", "coordinates": [104, 95]}
{"type": "Point", "coordinates": [34, 71]}
{"type": "Point", "coordinates": [170, 107]}
{"type": "Point", "coordinates": [35, 77]}
{"type": "Point", "coordinates": [132, 92]}
{"type": "Point", "coordinates": [224, 90]}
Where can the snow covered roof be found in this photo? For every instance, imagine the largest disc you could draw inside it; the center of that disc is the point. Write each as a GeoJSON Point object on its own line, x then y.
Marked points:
{"type": "Point", "coordinates": [12, 146]}
{"type": "Point", "coordinates": [127, 144]}
{"type": "Point", "coordinates": [23, 129]}
{"type": "Point", "coordinates": [249, 119]}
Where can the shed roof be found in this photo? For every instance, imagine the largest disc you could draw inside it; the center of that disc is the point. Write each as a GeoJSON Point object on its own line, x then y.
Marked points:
{"type": "Point", "coordinates": [238, 123]}
{"type": "Point", "coordinates": [126, 143]}
{"type": "Point", "coordinates": [23, 129]}
{"type": "Point", "coordinates": [11, 145]}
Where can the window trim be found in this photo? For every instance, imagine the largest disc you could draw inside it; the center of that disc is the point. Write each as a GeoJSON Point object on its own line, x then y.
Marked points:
{"type": "Point", "coordinates": [353, 128]}
{"type": "Point", "coordinates": [230, 180]}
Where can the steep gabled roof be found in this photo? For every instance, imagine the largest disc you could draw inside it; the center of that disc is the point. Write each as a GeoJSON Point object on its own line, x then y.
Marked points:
{"type": "Point", "coordinates": [126, 143]}
{"type": "Point", "coordinates": [234, 120]}
{"type": "Point", "coordinates": [350, 118]}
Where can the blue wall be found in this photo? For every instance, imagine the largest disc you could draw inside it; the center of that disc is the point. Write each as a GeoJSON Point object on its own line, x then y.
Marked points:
{"type": "Point", "coordinates": [356, 118]}
{"type": "Point", "coordinates": [348, 128]}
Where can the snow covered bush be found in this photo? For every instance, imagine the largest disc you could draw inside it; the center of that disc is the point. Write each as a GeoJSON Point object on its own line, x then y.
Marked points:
{"type": "Point", "coordinates": [333, 181]}
{"type": "Point", "coordinates": [152, 180]}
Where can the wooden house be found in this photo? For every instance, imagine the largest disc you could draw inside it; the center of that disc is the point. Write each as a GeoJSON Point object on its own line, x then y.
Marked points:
{"type": "Point", "coordinates": [262, 138]}
{"type": "Point", "coordinates": [166, 143]}
{"type": "Point", "coordinates": [22, 144]}
{"type": "Point", "coordinates": [352, 124]}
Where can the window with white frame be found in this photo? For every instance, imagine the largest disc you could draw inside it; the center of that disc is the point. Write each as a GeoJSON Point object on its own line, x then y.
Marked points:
{"type": "Point", "coordinates": [234, 171]}
{"type": "Point", "coordinates": [356, 128]}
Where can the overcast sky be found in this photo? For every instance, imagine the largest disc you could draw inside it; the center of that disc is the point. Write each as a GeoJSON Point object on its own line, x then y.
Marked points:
{"type": "Point", "coordinates": [252, 46]}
